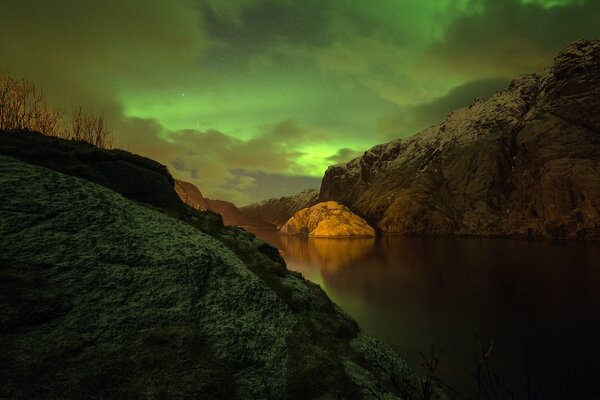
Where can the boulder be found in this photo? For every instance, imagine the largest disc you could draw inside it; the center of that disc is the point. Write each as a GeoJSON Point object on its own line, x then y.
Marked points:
{"type": "Point", "coordinates": [328, 219]}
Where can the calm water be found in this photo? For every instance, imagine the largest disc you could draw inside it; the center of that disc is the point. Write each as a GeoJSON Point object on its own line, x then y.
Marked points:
{"type": "Point", "coordinates": [413, 293]}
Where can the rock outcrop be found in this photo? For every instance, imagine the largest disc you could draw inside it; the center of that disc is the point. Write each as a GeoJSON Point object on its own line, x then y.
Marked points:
{"type": "Point", "coordinates": [105, 297]}
{"type": "Point", "coordinates": [278, 210]}
{"type": "Point", "coordinates": [191, 196]}
{"type": "Point", "coordinates": [137, 178]}
{"type": "Point", "coordinates": [328, 219]}
{"type": "Point", "coordinates": [525, 162]}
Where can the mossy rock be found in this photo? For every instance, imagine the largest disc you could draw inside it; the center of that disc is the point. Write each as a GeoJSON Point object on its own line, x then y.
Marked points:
{"type": "Point", "coordinates": [106, 298]}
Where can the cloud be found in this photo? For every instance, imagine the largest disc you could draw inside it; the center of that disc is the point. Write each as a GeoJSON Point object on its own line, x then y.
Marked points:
{"type": "Point", "coordinates": [511, 37]}
{"type": "Point", "coordinates": [86, 51]}
{"type": "Point", "coordinates": [214, 160]}
{"type": "Point", "coordinates": [254, 98]}
{"type": "Point", "coordinates": [344, 155]}
{"type": "Point", "coordinates": [421, 116]}
{"type": "Point", "coordinates": [266, 185]}
{"type": "Point", "coordinates": [91, 52]}
{"type": "Point", "coordinates": [263, 23]}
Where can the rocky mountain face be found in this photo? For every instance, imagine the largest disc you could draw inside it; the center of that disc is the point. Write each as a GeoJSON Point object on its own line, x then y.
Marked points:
{"type": "Point", "coordinates": [328, 219]}
{"type": "Point", "coordinates": [525, 162]}
{"type": "Point", "coordinates": [191, 196]}
{"type": "Point", "coordinates": [108, 292]}
{"type": "Point", "coordinates": [278, 210]}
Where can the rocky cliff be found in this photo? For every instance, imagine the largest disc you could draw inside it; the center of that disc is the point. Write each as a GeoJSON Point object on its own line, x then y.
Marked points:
{"type": "Point", "coordinates": [107, 296]}
{"type": "Point", "coordinates": [328, 219]}
{"type": "Point", "coordinates": [525, 162]}
{"type": "Point", "coordinates": [191, 196]}
{"type": "Point", "coordinates": [278, 210]}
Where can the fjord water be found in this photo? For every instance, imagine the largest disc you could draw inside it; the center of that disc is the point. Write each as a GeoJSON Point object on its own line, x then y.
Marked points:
{"type": "Point", "coordinates": [539, 301]}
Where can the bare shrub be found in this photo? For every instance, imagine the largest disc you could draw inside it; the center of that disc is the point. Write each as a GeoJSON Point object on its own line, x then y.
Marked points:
{"type": "Point", "coordinates": [89, 127]}
{"type": "Point", "coordinates": [23, 106]}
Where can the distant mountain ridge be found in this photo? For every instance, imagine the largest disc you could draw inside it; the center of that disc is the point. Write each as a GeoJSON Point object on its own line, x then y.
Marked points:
{"type": "Point", "coordinates": [525, 162]}
{"type": "Point", "coordinates": [278, 210]}
{"type": "Point", "coordinates": [192, 196]}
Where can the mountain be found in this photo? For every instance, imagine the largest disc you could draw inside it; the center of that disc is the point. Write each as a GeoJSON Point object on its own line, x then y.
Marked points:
{"type": "Point", "coordinates": [278, 210]}
{"type": "Point", "coordinates": [328, 219]}
{"type": "Point", "coordinates": [191, 196]}
{"type": "Point", "coordinates": [525, 162]}
{"type": "Point", "coordinates": [233, 216]}
{"type": "Point", "coordinates": [108, 292]}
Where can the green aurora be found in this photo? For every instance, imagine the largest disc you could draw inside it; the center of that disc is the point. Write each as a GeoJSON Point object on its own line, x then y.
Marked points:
{"type": "Point", "coordinates": [251, 99]}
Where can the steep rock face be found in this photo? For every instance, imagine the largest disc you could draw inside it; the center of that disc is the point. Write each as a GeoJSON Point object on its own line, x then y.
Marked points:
{"type": "Point", "coordinates": [278, 210]}
{"type": "Point", "coordinates": [328, 219]}
{"type": "Point", "coordinates": [190, 195]}
{"type": "Point", "coordinates": [232, 216]}
{"type": "Point", "coordinates": [525, 162]}
{"type": "Point", "coordinates": [105, 298]}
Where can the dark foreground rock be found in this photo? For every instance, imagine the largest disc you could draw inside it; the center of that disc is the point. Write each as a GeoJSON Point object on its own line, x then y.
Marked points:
{"type": "Point", "coordinates": [328, 219]}
{"type": "Point", "coordinates": [525, 162]}
{"type": "Point", "coordinates": [278, 210]}
{"type": "Point", "coordinates": [105, 298]}
{"type": "Point", "coordinates": [138, 178]}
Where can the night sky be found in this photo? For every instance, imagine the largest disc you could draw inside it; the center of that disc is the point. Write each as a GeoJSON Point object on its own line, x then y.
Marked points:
{"type": "Point", "coordinates": [250, 99]}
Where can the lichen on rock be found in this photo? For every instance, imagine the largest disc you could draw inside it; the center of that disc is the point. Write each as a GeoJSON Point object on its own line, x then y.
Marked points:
{"type": "Point", "coordinates": [106, 298]}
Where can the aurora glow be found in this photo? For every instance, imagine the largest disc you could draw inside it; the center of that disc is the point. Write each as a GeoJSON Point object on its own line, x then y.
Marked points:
{"type": "Point", "coordinates": [250, 99]}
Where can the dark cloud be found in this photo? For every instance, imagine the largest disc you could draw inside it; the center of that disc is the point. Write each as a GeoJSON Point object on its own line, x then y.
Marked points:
{"type": "Point", "coordinates": [266, 185]}
{"type": "Point", "coordinates": [89, 52]}
{"type": "Point", "coordinates": [274, 88]}
{"type": "Point", "coordinates": [214, 160]}
{"type": "Point", "coordinates": [421, 116]}
{"type": "Point", "coordinates": [344, 155]}
{"type": "Point", "coordinates": [263, 23]}
{"type": "Point", "coordinates": [84, 50]}
{"type": "Point", "coordinates": [509, 38]}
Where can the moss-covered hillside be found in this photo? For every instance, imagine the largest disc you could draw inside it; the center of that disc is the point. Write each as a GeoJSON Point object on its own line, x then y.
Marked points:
{"type": "Point", "coordinates": [105, 297]}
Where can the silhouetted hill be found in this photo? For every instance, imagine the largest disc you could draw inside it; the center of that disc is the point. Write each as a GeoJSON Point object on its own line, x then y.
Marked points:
{"type": "Point", "coordinates": [135, 177]}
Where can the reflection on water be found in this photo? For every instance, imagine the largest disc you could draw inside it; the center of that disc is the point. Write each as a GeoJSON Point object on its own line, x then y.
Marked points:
{"type": "Point", "coordinates": [326, 254]}
{"type": "Point", "coordinates": [416, 292]}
